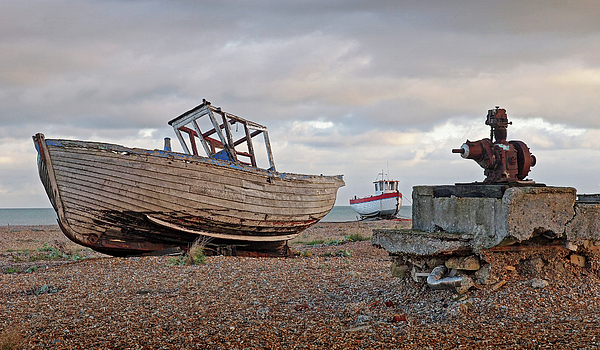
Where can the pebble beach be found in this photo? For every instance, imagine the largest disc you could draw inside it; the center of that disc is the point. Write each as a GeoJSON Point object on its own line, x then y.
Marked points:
{"type": "Point", "coordinates": [337, 292]}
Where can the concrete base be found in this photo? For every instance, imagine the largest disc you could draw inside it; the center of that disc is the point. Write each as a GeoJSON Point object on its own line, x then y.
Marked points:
{"type": "Point", "coordinates": [472, 220]}
{"type": "Point", "coordinates": [469, 218]}
{"type": "Point", "coordinates": [493, 214]}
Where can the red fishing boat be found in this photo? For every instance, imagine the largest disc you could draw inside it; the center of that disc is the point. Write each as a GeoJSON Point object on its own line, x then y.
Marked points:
{"type": "Point", "coordinates": [385, 203]}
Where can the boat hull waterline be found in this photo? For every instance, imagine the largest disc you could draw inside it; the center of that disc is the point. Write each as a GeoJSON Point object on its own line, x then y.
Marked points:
{"type": "Point", "coordinates": [129, 201]}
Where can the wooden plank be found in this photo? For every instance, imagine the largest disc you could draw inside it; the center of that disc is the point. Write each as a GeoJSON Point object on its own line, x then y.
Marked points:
{"type": "Point", "coordinates": [269, 151]}
{"type": "Point", "coordinates": [265, 227]}
{"type": "Point", "coordinates": [87, 147]}
{"type": "Point", "coordinates": [77, 216]}
{"type": "Point", "coordinates": [104, 202]}
{"type": "Point", "coordinates": [129, 202]}
{"type": "Point", "coordinates": [210, 173]}
{"type": "Point", "coordinates": [84, 225]}
{"type": "Point", "coordinates": [207, 149]}
{"type": "Point", "coordinates": [141, 176]}
{"type": "Point", "coordinates": [249, 144]}
{"type": "Point", "coordinates": [225, 197]}
{"type": "Point", "coordinates": [125, 200]}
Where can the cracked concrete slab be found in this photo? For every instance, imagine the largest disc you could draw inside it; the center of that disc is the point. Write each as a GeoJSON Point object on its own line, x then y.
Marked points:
{"type": "Point", "coordinates": [585, 226]}
{"type": "Point", "coordinates": [420, 243]}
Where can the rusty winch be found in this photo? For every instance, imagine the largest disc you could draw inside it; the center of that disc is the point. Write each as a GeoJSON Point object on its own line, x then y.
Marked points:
{"type": "Point", "coordinates": [502, 161]}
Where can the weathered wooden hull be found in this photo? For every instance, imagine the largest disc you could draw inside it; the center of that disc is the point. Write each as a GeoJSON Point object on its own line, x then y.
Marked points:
{"type": "Point", "coordinates": [128, 201]}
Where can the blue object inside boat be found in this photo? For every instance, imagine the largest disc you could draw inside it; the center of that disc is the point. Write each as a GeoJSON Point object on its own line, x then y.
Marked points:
{"type": "Point", "coordinates": [223, 155]}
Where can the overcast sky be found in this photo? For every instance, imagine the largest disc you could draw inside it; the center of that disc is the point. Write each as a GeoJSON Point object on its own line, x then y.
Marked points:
{"type": "Point", "coordinates": [345, 87]}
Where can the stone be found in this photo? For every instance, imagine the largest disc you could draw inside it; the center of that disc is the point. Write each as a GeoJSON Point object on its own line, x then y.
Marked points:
{"type": "Point", "coordinates": [538, 283]}
{"type": "Point", "coordinates": [355, 274]}
{"type": "Point", "coordinates": [464, 308]}
{"type": "Point", "coordinates": [413, 261]}
{"type": "Point", "coordinates": [363, 318]}
{"type": "Point", "coordinates": [399, 270]}
{"type": "Point", "coordinates": [577, 260]}
{"type": "Point", "coordinates": [464, 219]}
{"type": "Point", "coordinates": [498, 285]}
{"type": "Point", "coordinates": [571, 246]}
{"type": "Point", "coordinates": [301, 307]}
{"type": "Point", "coordinates": [534, 265]}
{"type": "Point", "coordinates": [459, 297]}
{"type": "Point", "coordinates": [469, 263]}
{"type": "Point", "coordinates": [484, 275]}
{"type": "Point", "coordinates": [559, 267]}
{"type": "Point", "coordinates": [530, 209]}
{"type": "Point", "coordinates": [435, 261]}
{"type": "Point", "coordinates": [399, 318]}
{"type": "Point", "coordinates": [466, 285]}
{"type": "Point", "coordinates": [358, 329]}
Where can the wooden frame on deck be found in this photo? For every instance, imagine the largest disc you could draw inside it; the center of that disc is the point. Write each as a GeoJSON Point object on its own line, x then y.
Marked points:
{"type": "Point", "coordinates": [224, 146]}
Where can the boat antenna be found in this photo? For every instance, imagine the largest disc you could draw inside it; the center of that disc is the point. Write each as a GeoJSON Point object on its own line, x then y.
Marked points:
{"type": "Point", "coordinates": [387, 163]}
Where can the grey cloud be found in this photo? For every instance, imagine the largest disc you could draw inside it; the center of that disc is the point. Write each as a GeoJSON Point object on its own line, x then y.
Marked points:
{"type": "Point", "coordinates": [106, 69]}
{"type": "Point", "coordinates": [97, 58]}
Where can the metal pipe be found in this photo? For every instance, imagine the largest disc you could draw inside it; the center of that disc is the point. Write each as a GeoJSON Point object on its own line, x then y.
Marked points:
{"type": "Point", "coordinates": [436, 281]}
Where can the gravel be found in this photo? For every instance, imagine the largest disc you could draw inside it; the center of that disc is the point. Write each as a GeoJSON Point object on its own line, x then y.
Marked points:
{"type": "Point", "coordinates": [318, 299]}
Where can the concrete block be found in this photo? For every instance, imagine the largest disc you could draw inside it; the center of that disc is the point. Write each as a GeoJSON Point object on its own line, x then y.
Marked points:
{"type": "Point", "coordinates": [399, 270]}
{"type": "Point", "coordinates": [467, 218]}
{"type": "Point", "coordinates": [538, 209]}
{"type": "Point", "coordinates": [479, 210]}
{"type": "Point", "coordinates": [417, 243]}
{"type": "Point", "coordinates": [586, 224]}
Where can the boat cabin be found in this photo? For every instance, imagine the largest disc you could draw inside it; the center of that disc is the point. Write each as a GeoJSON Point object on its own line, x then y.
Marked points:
{"type": "Point", "coordinates": [218, 137]}
{"type": "Point", "coordinates": [385, 186]}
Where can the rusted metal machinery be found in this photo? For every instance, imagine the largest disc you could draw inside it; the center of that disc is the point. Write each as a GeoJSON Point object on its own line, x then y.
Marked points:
{"type": "Point", "coordinates": [503, 161]}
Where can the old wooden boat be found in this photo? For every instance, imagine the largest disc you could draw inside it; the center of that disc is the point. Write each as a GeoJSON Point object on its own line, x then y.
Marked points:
{"type": "Point", "coordinates": [128, 201]}
{"type": "Point", "coordinates": [385, 203]}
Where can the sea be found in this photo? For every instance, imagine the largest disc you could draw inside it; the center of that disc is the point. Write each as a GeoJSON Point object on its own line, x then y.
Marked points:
{"type": "Point", "coordinates": [28, 216]}
{"type": "Point", "coordinates": [47, 216]}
